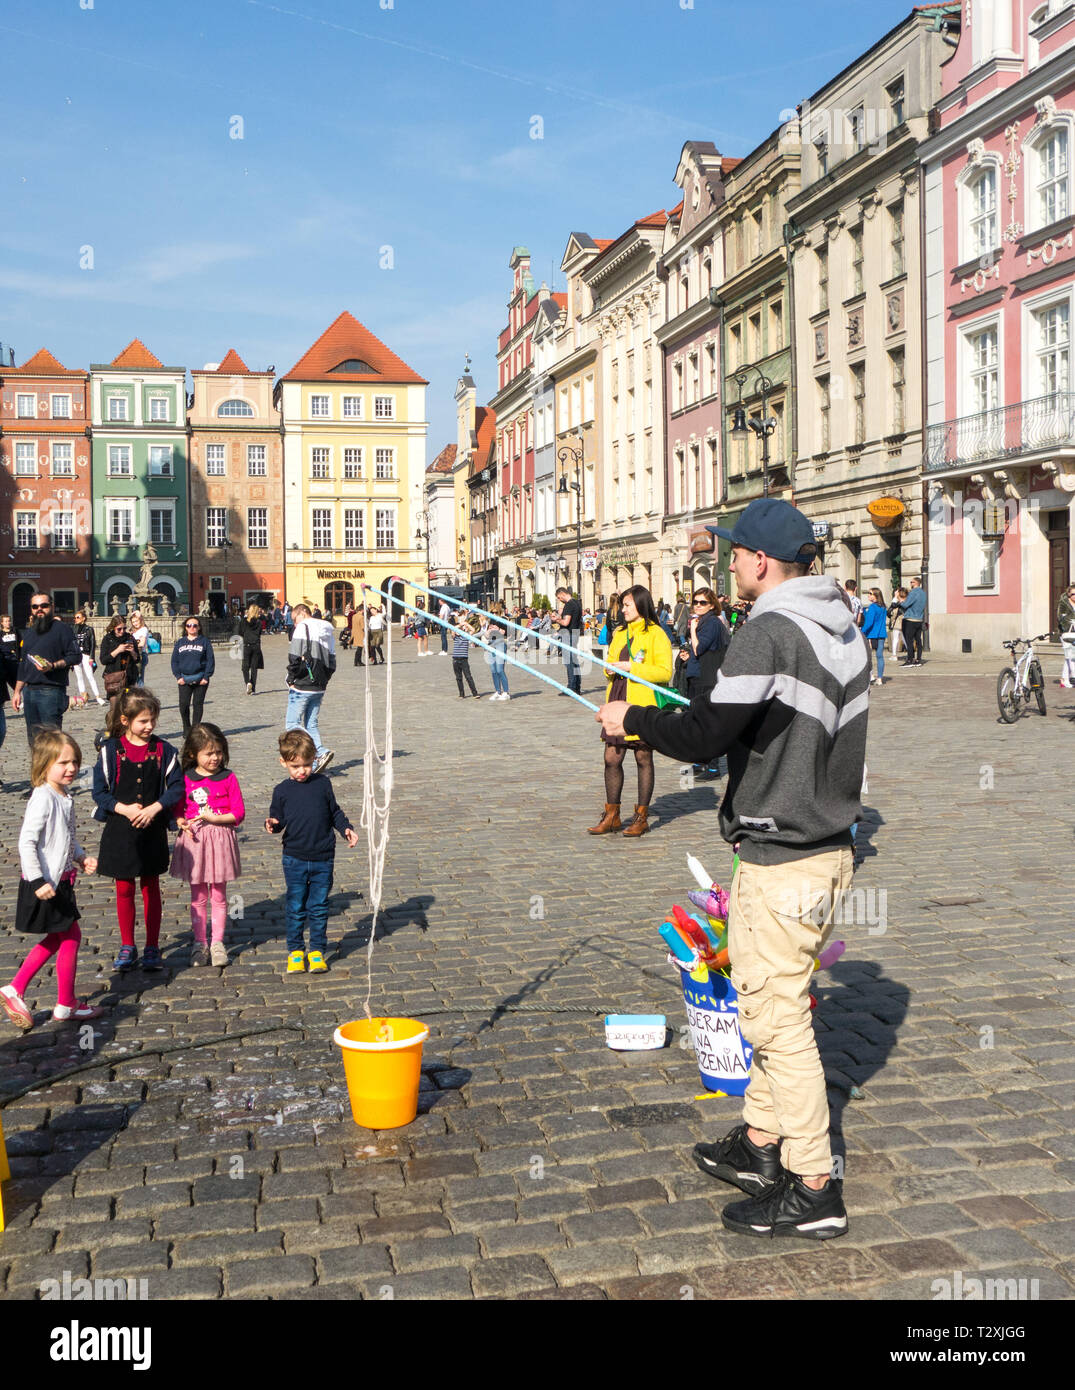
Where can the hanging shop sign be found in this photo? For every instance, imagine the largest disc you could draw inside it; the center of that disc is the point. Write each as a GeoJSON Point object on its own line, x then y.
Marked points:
{"type": "Point", "coordinates": [618, 554]}
{"type": "Point", "coordinates": [589, 560]}
{"type": "Point", "coordinates": [886, 511]}
{"type": "Point", "coordinates": [526, 566]}
{"type": "Point", "coordinates": [821, 530]}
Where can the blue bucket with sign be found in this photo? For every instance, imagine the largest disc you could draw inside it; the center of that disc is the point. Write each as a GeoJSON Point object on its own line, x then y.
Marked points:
{"type": "Point", "coordinates": [713, 1018]}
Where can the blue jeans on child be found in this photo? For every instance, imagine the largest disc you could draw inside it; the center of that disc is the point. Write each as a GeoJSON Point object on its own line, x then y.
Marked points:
{"type": "Point", "coordinates": [303, 707]}
{"type": "Point", "coordinates": [500, 680]}
{"type": "Point", "coordinates": [309, 882]}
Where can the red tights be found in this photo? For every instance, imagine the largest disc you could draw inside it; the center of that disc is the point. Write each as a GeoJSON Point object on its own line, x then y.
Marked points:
{"type": "Point", "coordinates": [151, 907]}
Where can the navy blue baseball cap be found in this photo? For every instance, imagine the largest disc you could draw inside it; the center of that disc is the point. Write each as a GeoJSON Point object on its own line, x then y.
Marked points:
{"type": "Point", "coordinates": [775, 527]}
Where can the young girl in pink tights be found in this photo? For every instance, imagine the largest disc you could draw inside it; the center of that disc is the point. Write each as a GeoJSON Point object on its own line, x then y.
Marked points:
{"type": "Point", "coordinates": [48, 853]}
{"type": "Point", "coordinates": [206, 855]}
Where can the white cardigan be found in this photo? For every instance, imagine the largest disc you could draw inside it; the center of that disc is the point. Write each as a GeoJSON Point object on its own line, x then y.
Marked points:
{"type": "Point", "coordinates": [48, 845]}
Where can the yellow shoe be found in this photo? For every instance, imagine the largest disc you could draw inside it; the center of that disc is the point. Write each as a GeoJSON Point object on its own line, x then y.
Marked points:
{"type": "Point", "coordinates": [316, 963]}
{"type": "Point", "coordinates": [296, 963]}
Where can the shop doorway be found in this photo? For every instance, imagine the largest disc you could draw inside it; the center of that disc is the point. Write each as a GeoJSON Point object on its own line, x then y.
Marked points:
{"type": "Point", "coordinates": [338, 596]}
{"type": "Point", "coordinates": [1058, 533]}
{"type": "Point", "coordinates": [20, 605]}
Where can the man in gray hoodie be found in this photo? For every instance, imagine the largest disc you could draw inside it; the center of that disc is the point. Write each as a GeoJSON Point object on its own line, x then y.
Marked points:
{"type": "Point", "coordinates": [789, 711]}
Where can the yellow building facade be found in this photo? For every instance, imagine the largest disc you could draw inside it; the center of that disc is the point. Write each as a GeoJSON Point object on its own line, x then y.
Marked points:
{"type": "Point", "coordinates": [354, 469]}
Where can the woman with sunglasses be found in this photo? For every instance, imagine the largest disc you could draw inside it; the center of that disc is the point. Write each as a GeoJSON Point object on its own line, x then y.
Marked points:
{"type": "Point", "coordinates": [120, 660]}
{"type": "Point", "coordinates": [707, 639]}
{"type": "Point", "coordinates": [193, 665]}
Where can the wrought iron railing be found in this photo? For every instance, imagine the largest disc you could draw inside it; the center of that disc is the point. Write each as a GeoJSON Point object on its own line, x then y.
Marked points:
{"type": "Point", "coordinates": [1027, 427]}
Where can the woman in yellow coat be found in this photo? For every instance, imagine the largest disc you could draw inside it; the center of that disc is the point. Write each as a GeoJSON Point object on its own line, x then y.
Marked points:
{"type": "Point", "coordinates": [640, 649]}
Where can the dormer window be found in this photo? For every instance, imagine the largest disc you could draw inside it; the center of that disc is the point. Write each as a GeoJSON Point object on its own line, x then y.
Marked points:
{"type": "Point", "coordinates": [355, 367]}
{"type": "Point", "coordinates": [233, 406]}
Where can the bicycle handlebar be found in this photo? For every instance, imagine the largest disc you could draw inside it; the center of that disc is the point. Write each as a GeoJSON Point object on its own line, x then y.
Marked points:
{"type": "Point", "coordinates": [1025, 641]}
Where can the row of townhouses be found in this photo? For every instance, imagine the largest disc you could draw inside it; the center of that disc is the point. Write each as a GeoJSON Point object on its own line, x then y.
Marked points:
{"type": "Point", "coordinates": [246, 488]}
{"type": "Point", "coordinates": [868, 315]}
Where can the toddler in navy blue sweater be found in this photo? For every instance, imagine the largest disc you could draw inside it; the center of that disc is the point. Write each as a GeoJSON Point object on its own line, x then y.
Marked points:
{"type": "Point", "coordinates": [305, 810]}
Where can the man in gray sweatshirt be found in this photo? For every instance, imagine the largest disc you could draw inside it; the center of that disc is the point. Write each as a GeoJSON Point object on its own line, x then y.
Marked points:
{"type": "Point", "coordinates": [789, 711]}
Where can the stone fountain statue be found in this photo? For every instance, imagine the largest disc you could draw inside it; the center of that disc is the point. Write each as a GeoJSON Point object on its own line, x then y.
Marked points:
{"type": "Point", "coordinates": [144, 598]}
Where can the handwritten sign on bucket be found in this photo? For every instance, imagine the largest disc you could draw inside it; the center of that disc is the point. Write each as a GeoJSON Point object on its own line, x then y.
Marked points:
{"type": "Point", "coordinates": [713, 1018]}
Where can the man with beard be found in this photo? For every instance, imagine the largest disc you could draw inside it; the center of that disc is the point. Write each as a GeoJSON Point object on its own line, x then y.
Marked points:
{"type": "Point", "coordinates": [49, 650]}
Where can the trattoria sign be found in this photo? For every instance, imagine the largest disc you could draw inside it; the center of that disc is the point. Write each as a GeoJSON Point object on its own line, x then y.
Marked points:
{"type": "Point", "coordinates": [886, 511]}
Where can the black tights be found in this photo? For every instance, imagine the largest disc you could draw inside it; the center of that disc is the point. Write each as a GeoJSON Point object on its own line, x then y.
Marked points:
{"type": "Point", "coordinates": [614, 774]}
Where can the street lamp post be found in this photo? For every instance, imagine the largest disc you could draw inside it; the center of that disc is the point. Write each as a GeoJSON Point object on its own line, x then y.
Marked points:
{"type": "Point", "coordinates": [420, 535]}
{"type": "Point", "coordinates": [574, 455]}
{"type": "Point", "coordinates": [225, 546]}
{"type": "Point", "coordinates": [764, 428]}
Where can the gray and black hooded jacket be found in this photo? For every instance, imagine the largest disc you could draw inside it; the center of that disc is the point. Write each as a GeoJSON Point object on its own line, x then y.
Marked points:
{"type": "Point", "coordinates": [789, 709]}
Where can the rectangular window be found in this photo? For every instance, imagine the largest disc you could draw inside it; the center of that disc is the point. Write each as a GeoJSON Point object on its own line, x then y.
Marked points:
{"type": "Point", "coordinates": [895, 219]}
{"type": "Point", "coordinates": [1053, 200]}
{"type": "Point", "coordinates": [61, 407]}
{"type": "Point", "coordinates": [776, 326]}
{"type": "Point", "coordinates": [982, 226]}
{"type": "Point", "coordinates": [319, 407]}
{"type": "Point", "coordinates": [160, 460]}
{"type": "Point", "coordinates": [120, 522]}
{"type": "Point", "coordinates": [63, 530]}
{"type": "Point", "coordinates": [352, 407]}
{"type": "Point", "coordinates": [255, 460]}
{"type": "Point", "coordinates": [63, 460]}
{"type": "Point", "coordinates": [822, 277]}
{"type": "Point", "coordinates": [385, 463]}
{"type": "Point", "coordinates": [160, 408]}
{"type": "Point", "coordinates": [856, 260]}
{"type": "Point", "coordinates": [983, 374]}
{"type": "Point", "coordinates": [897, 103]}
{"type": "Point", "coordinates": [257, 528]}
{"type": "Point", "coordinates": [587, 398]}
{"type": "Point", "coordinates": [576, 404]}
{"type": "Point", "coordinates": [26, 407]}
{"type": "Point", "coordinates": [824, 407]}
{"type": "Point", "coordinates": [386, 528]}
{"type": "Point", "coordinates": [858, 393]}
{"type": "Point", "coordinates": [979, 551]}
{"type": "Point", "coordinates": [26, 460]}
{"type": "Point", "coordinates": [119, 460]}
{"type": "Point", "coordinates": [755, 337]}
{"type": "Point", "coordinates": [758, 219]}
{"type": "Point", "coordinates": [352, 463]}
{"type": "Point", "coordinates": [736, 345]}
{"type": "Point", "coordinates": [161, 524]}
{"type": "Point", "coordinates": [1051, 348]}
{"type": "Point", "coordinates": [321, 528]}
{"type": "Point", "coordinates": [319, 462]}
{"type": "Point", "coordinates": [696, 380]}
{"type": "Point", "coordinates": [117, 407]}
{"type": "Point", "coordinates": [678, 374]}
{"type": "Point", "coordinates": [215, 465]}
{"type": "Point", "coordinates": [857, 126]}
{"type": "Point", "coordinates": [216, 527]}
{"type": "Point", "coordinates": [384, 407]}
{"type": "Point", "coordinates": [354, 528]}
{"type": "Point", "coordinates": [898, 386]}
{"type": "Point", "coordinates": [25, 530]}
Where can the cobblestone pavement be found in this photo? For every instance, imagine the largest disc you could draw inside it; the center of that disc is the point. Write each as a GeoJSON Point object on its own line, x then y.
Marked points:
{"type": "Point", "coordinates": [542, 1165]}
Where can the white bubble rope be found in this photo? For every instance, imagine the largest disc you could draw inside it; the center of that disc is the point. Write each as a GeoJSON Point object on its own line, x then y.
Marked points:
{"type": "Point", "coordinates": [374, 816]}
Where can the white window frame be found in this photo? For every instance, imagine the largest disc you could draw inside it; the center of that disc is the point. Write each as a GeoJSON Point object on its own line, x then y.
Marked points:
{"type": "Point", "coordinates": [263, 460]}
{"type": "Point", "coordinates": [216, 467]}
{"type": "Point", "coordinates": [56, 472]}
{"type": "Point", "coordinates": [315, 413]}
{"type": "Point", "coordinates": [115, 399]}
{"type": "Point", "coordinates": [975, 547]}
{"type": "Point", "coordinates": [257, 534]}
{"type": "Point", "coordinates": [354, 537]}
{"type": "Point", "coordinates": [354, 468]}
{"type": "Point", "coordinates": [967, 180]}
{"type": "Point", "coordinates": [20, 518]}
{"type": "Point", "coordinates": [357, 414]}
{"type": "Point", "coordinates": [20, 412]}
{"type": "Point", "coordinates": [164, 506]}
{"type": "Point", "coordinates": [379, 463]}
{"type": "Point", "coordinates": [155, 401]}
{"type": "Point", "coordinates": [969, 370]}
{"type": "Point", "coordinates": [1032, 308]}
{"type": "Point", "coordinates": [216, 531]}
{"type": "Point", "coordinates": [246, 412]}
{"type": "Point", "coordinates": [62, 414]}
{"type": "Point", "coordinates": [114, 472]}
{"type": "Point", "coordinates": [161, 469]}
{"type": "Point", "coordinates": [28, 449]}
{"type": "Point", "coordinates": [384, 407]}
{"type": "Point", "coordinates": [324, 527]}
{"type": "Point", "coordinates": [325, 463]}
{"type": "Point", "coordinates": [1062, 121]}
{"type": "Point", "coordinates": [116, 506]}
{"type": "Point", "coordinates": [390, 521]}
{"type": "Point", "coordinates": [68, 533]}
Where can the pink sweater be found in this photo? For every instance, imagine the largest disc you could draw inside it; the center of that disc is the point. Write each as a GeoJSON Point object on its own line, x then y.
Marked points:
{"type": "Point", "coordinates": [224, 795]}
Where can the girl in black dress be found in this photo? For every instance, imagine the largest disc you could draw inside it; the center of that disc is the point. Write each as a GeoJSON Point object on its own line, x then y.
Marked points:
{"type": "Point", "coordinates": [137, 783]}
{"type": "Point", "coordinates": [10, 654]}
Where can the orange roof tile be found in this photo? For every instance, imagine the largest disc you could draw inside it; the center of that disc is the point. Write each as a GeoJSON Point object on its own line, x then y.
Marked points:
{"type": "Point", "coordinates": [603, 245]}
{"type": "Point", "coordinates": [560, 299]}
{"type": "Point", "coordinates": [485, 429]}
{"type": "Point", "coordinates": [344, 339]}
{"type": "Point", "coordinates": [729, 162]}
{"type": "Point", "coordinates": [445, 460]}
{"type": "Point", "coordinates": [676, 210]}
{"type": "Point", "coordinates": [655, 219]}
{"type": "Point", "coordinates": [136, 354]}
{"type": "Point", "coordinates": [43, 364]}
{"type": "Point", "coordinates": [233, 364]}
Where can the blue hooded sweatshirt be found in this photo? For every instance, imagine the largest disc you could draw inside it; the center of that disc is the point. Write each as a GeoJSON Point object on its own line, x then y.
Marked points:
{"type": "Point", "coordinates": [193, 660]}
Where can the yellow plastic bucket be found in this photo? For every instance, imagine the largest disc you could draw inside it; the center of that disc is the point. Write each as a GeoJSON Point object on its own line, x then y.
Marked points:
{"type": "Point", "coordinates": [382, 1071]}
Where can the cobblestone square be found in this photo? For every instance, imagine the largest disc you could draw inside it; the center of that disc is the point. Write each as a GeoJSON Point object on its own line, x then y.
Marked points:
{"type": "Point", "coordinates": [542, 1164]}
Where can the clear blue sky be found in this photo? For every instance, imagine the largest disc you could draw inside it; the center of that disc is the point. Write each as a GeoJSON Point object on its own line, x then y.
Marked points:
{"type": "Point", "coordinates": [363, 127]}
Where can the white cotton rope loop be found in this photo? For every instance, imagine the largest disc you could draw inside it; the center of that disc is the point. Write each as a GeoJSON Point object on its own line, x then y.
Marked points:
{"type": "Point", "coordinates": [374, 816]}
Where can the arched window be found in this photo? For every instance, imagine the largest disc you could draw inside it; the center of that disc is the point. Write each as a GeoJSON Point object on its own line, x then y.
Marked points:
{"type": "Point", "coordinates": [355, 366]}
{"type": "Point", "coordinates": [338, 595]}
{"type": "Point", "coordinates": [1048, 173]}
{"type": "Point", "coordinates": [979, 214]}
{"type": "Point", "coordinates": [234, 406]}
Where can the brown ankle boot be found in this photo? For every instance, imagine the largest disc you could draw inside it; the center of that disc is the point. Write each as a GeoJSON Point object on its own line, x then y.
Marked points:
{"type": "Point", "coordinates": [639, 825]}
{"type": "Point", "coordinates": [609, 821]}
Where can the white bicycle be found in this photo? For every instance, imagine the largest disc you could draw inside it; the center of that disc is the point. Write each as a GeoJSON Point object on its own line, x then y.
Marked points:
{"type": "Point", "coordinates": [1016, 685]}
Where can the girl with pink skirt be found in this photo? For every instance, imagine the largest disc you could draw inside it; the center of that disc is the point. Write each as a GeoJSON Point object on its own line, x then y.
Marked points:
{"type": "Point", "coordinates": [206, 854]}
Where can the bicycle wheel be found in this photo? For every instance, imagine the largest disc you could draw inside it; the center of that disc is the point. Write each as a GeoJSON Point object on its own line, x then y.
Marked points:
{"type": "Point", "coordinates": [1008, 695]}
{"type": "Point", "coordinates": [1037, 684]}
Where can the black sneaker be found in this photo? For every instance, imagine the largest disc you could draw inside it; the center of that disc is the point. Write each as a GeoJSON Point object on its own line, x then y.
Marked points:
{"type": "Point", "coordinates": [744, 1164]}
{"type": "Point", "coordinates": [790, 1208]}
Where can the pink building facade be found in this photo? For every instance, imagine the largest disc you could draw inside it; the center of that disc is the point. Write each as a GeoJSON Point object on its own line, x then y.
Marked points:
{"type": "Point", "coordinates": [999, 287]}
